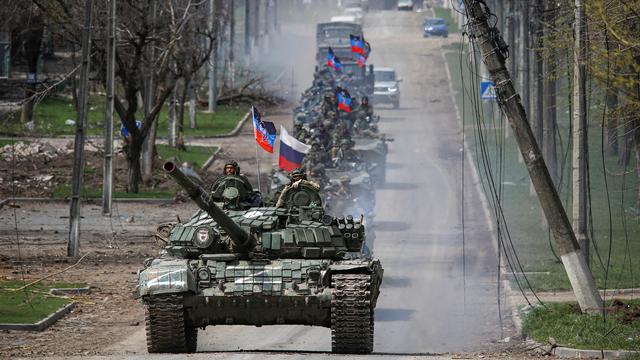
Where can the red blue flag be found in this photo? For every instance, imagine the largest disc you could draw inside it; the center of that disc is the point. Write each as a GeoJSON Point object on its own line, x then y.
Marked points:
{"type": "Point", "coordinates": [357, 46]}
{"type": "Point", "coordinates": [344, 100]}
{"type": "Point", "coordinates": [333, 61]}
{"type": "Point", "coordinates": [367, 48]}
{"type": "Point", "coordinates": [362, 61]}
{"type": "Point", "coordinates": [264, 131]}
{"type": "Point", "coordinates": [292, 151]}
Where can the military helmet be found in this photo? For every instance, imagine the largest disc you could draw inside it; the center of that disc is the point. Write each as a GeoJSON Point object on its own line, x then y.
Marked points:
{"type": "Point", "coordinates": [297, 174]}
{"type": "Point", "coordinates": [231, 163]}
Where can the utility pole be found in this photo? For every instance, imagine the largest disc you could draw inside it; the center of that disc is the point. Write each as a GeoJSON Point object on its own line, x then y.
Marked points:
{"type": "Point", "coordinates": [213, 57]}
{"type": "Point", "coordinates": [256, 27]}
{"type": "Point", "coordinates": [232, 41]}
{"type": "Point", "coordinates": [580, 130]}
{"type": "Point", "coordinates": [171, 119]}
{"type": "Point", "coordinates": [73, 246]}
{"type": "Point", "coordinates": [275, 16]}
{"type": "Point", "coordinates": [247, 29]}
{"type": "Point", "coordinates": [549, 124]}
{"type": "Point", "coordinates": [149, 144]}
{"type": "Point", "coordinates": [107, 181]}
{"type": "Point", "coordinates": [492, 48]}
{"type": "Point", "coordinates": [538, 70]}
{"type": "Point", "coordinates": [526, 57]}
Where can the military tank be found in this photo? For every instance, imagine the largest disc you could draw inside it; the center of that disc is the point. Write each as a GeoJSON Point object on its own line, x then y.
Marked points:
{"type": "Point", "coordinates": [259, 266]}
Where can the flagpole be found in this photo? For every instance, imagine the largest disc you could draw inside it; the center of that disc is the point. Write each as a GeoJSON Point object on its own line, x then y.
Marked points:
{"type": "Point", "coordinates": [256, 146]}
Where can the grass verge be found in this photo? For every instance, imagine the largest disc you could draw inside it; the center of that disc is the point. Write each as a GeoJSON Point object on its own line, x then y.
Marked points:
{"type": "Point", "coordinates": [51, 114]}
{"type": "Point", "coordinates": [446, 15]}
{"type": "Point", "coordinates": [64, 192]}
{"type": "Point", "coordinates": [196, 155]}
{"type": "Point", "coordinates": [522, 211]}
{"type": "Point", "coordinates": [30, 305]}
{"type": "Point", "coordinates": [618, 330]}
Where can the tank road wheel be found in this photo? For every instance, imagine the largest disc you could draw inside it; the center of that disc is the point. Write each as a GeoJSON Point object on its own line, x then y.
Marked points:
{"type": "Point", "coordinates": [351, 314]}
{"type": "Point", "coordinates": [167, 330]}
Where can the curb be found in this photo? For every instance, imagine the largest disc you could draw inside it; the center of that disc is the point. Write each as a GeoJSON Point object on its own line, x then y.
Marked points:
{"type": "Point", "coordinates": [70, 291]}
{"type": "Point", "coordinates": [571, 353]}
{"type": "Point", "coordinates": [42, 324]}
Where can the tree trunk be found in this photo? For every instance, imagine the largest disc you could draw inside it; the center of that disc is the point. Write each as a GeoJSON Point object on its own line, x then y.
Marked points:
{"type": "Point", "coordinates": [636, 140]}
{"type": "Point", "coordinates": [133, 160]}
{"type": "Point", "coordinates": [612, 123]}
{"type": "Point", "coordinates": [180, 124]}
{"type": "Point", "coordinates": [171, 119]}
{"type": "Point", "coordinates": [232, 37]}
{"type": "Point", "coordinates": [32, 48]}
{"type": "Point", "coordinates": [192, 106]}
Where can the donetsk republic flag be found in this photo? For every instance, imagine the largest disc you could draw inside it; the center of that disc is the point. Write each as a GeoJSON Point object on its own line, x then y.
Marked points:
{"type": "Point", "coordinates": [264, 131]}
{"type": "Point", "coordinates": [292, 151]}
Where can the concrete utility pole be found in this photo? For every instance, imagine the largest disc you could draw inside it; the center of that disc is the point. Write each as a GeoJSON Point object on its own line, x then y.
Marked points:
{"type": "Point", "coordinates": [171, 119]}
{"type": "Point", "coordinates": [232, 42]}
{"type": "Point", "coordinates": [275, 16]}
{"type": "Point", "coordinates": [247, 29]}
{"type": "Point", "coordinates": [107, 181]}
{"type": "Point", "coordinates": [149, 144]}
{"type": "Point", "coordinates": [213, 57]}
{"type": "Point", "coordinates": [526, 57]}
{"type": "Point", "coordinates": [538, 71]}
{"type": "Point", "coordinates": [580, 130]}
{"type": "Point", "coordinates": [256, 27]}
{"type": "Point", "coordinates": [549, 124]}
{"type": "Point", "coordinates": [492, 49]}
{"type": "Point", "coordinates": [73, 246]}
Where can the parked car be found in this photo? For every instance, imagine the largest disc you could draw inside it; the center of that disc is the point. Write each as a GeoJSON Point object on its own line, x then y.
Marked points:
{"type": "Point", "coordinates": [405, 5]}
{"type": "Point", "coordinates": [435, 27]}
{"type": "Point", "coordinates": [386, 88]}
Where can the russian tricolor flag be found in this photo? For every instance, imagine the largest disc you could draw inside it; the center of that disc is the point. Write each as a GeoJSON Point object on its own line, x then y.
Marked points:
{"type": "Point", "coordinates": [292, 151]}
{"type": "Point", "coordinates": [362, 61]}
{"type": "Point", "coordinates": [333, 61]}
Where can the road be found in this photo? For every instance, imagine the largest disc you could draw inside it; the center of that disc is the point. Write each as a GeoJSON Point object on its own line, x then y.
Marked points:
{"type": "Point", "coordinates": [435, 297]}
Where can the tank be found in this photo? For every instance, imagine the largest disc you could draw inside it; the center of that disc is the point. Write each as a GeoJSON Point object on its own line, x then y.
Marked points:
{"type": "Point", "coordinates": [373, 151]}
{"type": "Point", "coordinates": [260, 266]}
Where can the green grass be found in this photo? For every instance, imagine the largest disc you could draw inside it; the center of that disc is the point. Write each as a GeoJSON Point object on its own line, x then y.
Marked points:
{"type": "Point", "coordinates": [50, 116]}
{"type": "Point", "coordinates": [29, 305]}
{"type": "Point", "coordinates": [446, 15]}
{"type": "Point", "coordinates": [10, 142]}
{"type": "Point", "coordinates": [196, 155]}
{"type": "Point", "coordinates": [64, 191]}
{"type": "Point", "coordinates": [522, 210]}
{"type": "Point", "coordinates": [570, 328]}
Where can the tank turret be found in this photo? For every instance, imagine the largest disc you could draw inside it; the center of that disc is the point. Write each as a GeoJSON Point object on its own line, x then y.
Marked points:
{"type": "Point", "coordinates": [203, 199]}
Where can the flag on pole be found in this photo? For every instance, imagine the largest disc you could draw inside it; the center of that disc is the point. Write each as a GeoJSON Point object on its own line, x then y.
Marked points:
{"type": "Point", "coordinates": [292, 151]}
{"type": "Point", "coordinates": [333, 61]}
{"type": "Point", "coordinates": [361, 60]}
{"type": "Point", "coordinates": [344, 100]}
{"type": "Point", "coordinates": [264, 131]}
{"type": "Point", "coordinates": [357, 46]}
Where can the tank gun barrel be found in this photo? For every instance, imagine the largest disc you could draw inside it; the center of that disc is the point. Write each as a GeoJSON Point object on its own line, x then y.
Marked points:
{"type": "Point", "coordinates": [204, 201]}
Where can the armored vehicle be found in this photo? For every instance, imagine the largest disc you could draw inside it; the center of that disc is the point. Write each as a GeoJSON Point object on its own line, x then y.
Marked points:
{"type": "Point", "coordinates": [261, 266]}
{"type": "Point", "coordinates": [336, 33]}
{"type": "Point", "coordinates": [373, 151]}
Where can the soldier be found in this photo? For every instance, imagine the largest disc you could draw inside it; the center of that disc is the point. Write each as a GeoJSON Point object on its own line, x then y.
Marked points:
{"type": "Point", "coordinates": [232, 178]}
{"type": "Point", "coordinates": [298, 183]}
{"type": "Point", "coordinates": [365, 108]}
{"type": "Point", "coordinates": [344, 153]}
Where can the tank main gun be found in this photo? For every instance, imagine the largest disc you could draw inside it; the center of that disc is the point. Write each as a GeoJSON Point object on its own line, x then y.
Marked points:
{"type": "Point", "coordinates": [203, 199]}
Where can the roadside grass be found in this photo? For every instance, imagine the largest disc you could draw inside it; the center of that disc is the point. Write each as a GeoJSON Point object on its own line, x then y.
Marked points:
{"type": "Point", "coordinates": [31, 304]}
{"type": "Point", "coordinates": [618, 330]}
{"type": "Point", "coordinates": [64, 192]}
{"type": "Point", "coordinates": [196, 155]}
{"type": "Point", "coordinates": [4, 142]}
{"type": "Point", "coordinates": [51, 114]}
{"type": "Point", "coordinates": [614, 245]}
{"type": "Point", "coordinates": [446, 15]}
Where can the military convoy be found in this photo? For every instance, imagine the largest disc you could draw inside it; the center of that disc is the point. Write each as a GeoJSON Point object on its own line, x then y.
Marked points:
{"type": "Point", "coordinates": [292, 258]}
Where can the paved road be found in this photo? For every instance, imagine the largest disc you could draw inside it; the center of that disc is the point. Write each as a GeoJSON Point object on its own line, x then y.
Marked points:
{"type": "Point", "coordinates": [427, 305]}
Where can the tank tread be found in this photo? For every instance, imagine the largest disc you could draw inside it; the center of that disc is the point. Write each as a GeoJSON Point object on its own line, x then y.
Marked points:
{"type": "Point", "coordinates": [166, 327]}
{"type": "Point", "coordinates": [351, 314]}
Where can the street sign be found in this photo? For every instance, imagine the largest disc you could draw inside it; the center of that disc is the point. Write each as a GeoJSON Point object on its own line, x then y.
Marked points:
{"type": "Point", "coordinates": [487, 90]}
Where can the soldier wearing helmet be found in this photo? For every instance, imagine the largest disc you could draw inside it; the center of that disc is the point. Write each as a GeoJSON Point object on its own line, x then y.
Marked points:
{"type": "Point", "coordinates": [233, 188]}
{"type": "Point", "coordinates": [299, 191]}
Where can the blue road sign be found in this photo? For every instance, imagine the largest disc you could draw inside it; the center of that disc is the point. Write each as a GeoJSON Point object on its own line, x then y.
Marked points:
{"type": "Point", "coordinates": [487, 90]}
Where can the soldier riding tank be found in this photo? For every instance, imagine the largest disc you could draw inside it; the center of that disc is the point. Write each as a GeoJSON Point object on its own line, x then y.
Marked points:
{"type": "Point", "coordinates": [259, 266]}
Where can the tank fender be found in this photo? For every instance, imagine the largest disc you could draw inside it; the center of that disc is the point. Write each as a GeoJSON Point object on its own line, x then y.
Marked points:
{"type": "Point", "coordinates": [172, 278]}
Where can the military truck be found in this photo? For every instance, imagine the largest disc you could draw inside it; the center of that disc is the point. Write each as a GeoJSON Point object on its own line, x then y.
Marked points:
{"type": "Point", "coordinates": [261, 266]}
{"type": "Point", "coordinates": [336, 33]}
